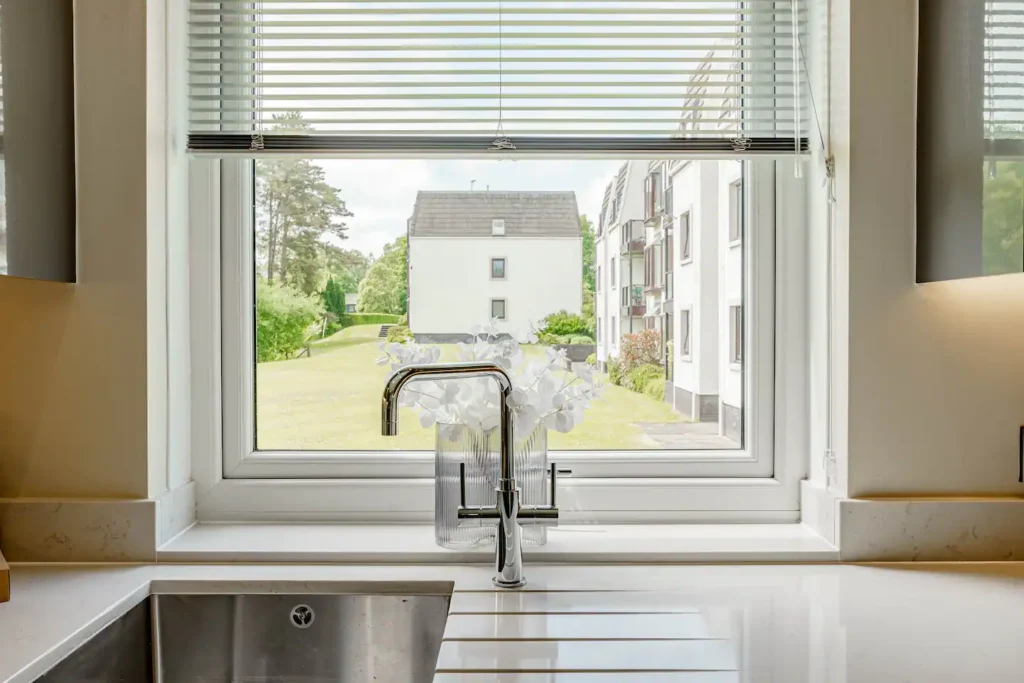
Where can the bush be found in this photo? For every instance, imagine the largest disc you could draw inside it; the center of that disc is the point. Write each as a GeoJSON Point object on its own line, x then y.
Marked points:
{"type": "Point", "coordinates": [566, 323]}
{"type": "Point", "coordinates": [615, 371]}
{"type": "Point", "coordinates": [592, 359]}
{"type": "Point", "coordinates": [552, 339]}
{"type": "Point", "coordinates": [283, 317]}
{"type": "Point", "coordinates": [655, 389]}
{"type": "Point", "coordinates": [350, 319]}
{"type": "Point", "coordinates": [403, 319]}
{"type": "Point", "coordinates": [637, 378]}
{"type": "Point", "coordinates": [400, 334]}
{"type": "Point", "coordinates": [581, 339]}
{"type": "Point", "coordinates": [640, 348]}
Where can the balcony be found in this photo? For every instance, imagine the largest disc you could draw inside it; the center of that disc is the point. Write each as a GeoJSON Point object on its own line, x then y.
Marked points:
{"type": "Point", "coordinates": [632, 301]}
{"type": "Point", "coordinates": [633, 238]}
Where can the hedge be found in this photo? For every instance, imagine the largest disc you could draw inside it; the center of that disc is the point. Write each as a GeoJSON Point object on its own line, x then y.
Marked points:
{"type": "Point", "coordinates": [350, 319]}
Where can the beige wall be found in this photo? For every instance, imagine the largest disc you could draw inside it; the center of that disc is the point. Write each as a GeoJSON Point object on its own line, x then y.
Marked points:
{"type": "Point", "coordinates": [936, 377]}
{"type": "Point", "coordinates": [73, 358]}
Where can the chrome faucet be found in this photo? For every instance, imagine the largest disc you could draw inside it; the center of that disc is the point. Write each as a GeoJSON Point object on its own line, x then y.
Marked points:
{"type": "Point", "coordinates": [507, 511]}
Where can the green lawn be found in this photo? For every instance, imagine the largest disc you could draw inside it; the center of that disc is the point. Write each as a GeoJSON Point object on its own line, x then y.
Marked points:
{"type": "Point", "coordinates": [332, 402]}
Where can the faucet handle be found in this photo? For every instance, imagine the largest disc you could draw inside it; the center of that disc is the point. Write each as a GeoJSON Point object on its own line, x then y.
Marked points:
{"type": "Point", "coordinates": [555, 471]}
{"type": "Point", "coordinates": [462, 484]}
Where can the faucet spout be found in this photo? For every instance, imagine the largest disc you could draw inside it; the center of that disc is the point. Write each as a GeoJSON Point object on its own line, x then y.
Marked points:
{"type": "Point", "coordinates": [413, 373]}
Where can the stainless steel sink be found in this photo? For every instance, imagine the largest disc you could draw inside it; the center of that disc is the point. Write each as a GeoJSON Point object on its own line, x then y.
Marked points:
{"type": "Point", "coordinates": [265, 639]}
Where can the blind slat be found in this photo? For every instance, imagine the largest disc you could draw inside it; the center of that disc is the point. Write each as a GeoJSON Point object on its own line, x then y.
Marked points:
{"type": "Point", "coordinates": [457, 72]}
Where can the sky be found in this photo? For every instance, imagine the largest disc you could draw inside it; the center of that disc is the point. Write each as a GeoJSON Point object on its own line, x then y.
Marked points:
{"type": "Point", "coordinates": [381, 192]}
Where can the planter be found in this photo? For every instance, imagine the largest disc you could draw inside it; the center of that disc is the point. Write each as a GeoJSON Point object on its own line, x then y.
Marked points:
{"type": "Point", "coordinates": [478, 449]}
{"type": "Point", "coordinates": [577, 353]}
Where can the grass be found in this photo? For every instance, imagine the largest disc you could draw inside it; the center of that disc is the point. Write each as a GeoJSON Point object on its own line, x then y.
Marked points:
{"type": "Point", "coordinates": [332, 402]}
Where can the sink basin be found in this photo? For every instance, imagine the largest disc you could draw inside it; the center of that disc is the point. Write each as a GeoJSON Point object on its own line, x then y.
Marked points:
{"type": "Point", "coordinates": [301, 638]}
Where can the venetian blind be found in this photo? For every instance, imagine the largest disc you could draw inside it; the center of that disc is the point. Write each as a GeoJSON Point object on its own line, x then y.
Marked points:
{"type": "Point", "coordinates": [322, 76]}
{"type": "Point", "coordinates": [1004, 77]}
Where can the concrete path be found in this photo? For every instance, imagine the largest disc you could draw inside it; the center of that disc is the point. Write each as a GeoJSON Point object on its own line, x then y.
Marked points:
{"type": "Point", "coordinates": [686, 435]}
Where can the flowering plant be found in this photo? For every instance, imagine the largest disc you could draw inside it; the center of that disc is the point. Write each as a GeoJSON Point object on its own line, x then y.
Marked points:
{"type": "Point", "coordinates": [550, 391]}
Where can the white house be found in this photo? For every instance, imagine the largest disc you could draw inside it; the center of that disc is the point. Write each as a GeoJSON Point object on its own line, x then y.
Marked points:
{"type": "Point", "coordinates": [473, 256]}
{"type": "Point", "coordinates": [619, 303]}
{"type": "Point", "coordinates": [351, 298]}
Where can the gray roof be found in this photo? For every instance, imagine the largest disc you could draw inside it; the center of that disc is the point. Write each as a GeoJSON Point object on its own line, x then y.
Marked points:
{"type": "Point", "coordinates": [469, 214]}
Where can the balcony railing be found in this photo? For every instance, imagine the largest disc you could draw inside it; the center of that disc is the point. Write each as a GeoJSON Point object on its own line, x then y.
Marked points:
{"type": "Point", "coordinates": [632, 301]}
{"type": "Point", "coordinates": [633, 238]}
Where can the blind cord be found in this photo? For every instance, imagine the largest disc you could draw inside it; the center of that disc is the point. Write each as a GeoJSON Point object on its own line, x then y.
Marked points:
{"type": "Point", "coordinates": [501, 141]}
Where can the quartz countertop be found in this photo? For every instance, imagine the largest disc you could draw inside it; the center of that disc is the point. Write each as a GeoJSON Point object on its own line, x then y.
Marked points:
{"type": "Point", "coordinates": [605, 624]}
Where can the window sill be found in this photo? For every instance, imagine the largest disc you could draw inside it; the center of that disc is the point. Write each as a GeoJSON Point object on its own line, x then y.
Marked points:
{"type": "Point", "coordinates": [414, 543]}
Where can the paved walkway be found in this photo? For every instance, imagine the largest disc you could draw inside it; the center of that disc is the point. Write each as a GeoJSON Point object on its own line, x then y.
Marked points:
{"type": "Point", "coordinates": [686, 435]}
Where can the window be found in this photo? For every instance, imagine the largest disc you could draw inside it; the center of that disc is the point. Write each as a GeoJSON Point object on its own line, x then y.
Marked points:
{"type": "Point", "coordinates": [735, 212]}
{"type": "Point", "coordinates": [684, 333]}
{"type": "Point", "coordinates": [736, 334]}
{"type": "Point", "coordinates": [497, 269]}
{"type": "Point", "coordinates": [597, 279]}
{"type": "Point", "coordinates": [685, 238]}
{"type": "Point", "coordinates": [498, 227]}
{"type": "Point", "coordinates": [380, 176]}
{"type": "Point", "coordinates": [498, 309]}
{"type": "Point", "coordinates": [597, 330]}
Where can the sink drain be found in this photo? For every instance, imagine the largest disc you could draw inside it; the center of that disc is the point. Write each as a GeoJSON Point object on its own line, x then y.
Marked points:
{"type": "Point", "coordinates": [302, 616]}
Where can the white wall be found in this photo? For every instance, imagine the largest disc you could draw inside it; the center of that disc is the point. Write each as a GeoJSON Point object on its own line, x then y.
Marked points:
{"type": "Point", "coordinates": [935, 379]}
{"type": "Point", "coordinates": [450, 285]}
{"type": "Point", "coordinates": [76, 361]}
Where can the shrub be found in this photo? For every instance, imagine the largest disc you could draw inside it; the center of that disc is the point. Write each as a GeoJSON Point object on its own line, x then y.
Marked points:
{"type": "Point", "coordinates": [283, 317]}
{"type": "Point", "coordinates": [350, 319]}
{"type": "Point", "coordinates": [615, 371]}
{"type": "Point", "coordinates": [592, 359]}
{"type": "Point", "coordinates": [637, 378]}
{"type": "Point", "coordinates": [403, 319]}
{"type": "Point", "coordinates": [400, 334]}
{"type": "Point", "coordinates": [581, 339]}
{"type": "Point", "coordinates": [655, 389]}
{"type": "Point", "coordinates": [566, 323]}
{"type": "Point", "coordinates": [640, 348]}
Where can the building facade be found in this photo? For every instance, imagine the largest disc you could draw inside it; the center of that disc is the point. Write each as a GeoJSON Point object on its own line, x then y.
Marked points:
{"type": "Point", "coordinates": [475, 256]}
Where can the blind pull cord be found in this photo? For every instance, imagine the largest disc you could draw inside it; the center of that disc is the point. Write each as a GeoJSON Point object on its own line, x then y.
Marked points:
{"type": "Point", "coordinates": [501, 141]}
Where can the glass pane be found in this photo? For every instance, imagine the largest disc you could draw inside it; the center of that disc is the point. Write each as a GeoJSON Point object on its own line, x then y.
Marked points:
{"type": "Point", "coordinates": [1003, 223]}
{"type": "Point", "coordinates": [356, 255]}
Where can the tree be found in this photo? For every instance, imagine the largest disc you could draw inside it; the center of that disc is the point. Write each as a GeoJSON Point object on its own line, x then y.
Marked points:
{"type": "Point", "coordinates": [589, 253]}
{"type": "Point", "coordinates": [384, 289]}
{"type": "Point", "coordinates": [589, 275]}
{"type": "Point", "coordinates": [1003, 225]}
{"type": "Point", "coordinates": [347, 266]}
{"type": "Point", "coordinates": [283, 318]}
{"type": "Point", "coordinates": [334, 298]}
{"type": "Point", "coordinates": [296, 211]}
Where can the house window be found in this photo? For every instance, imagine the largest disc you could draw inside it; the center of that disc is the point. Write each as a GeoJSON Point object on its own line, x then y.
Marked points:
{"type": "Point", "coordinates": [685, 238]}
{"type": "Point", "coordinates": [497, 269]}
{"type": "Point", "coordinates": [735, 212]}
{"type": "Point", "coordinates": [498, 309]}
{"type": "Point", "coordinates": [277, 247]}
{"type": "Point", "coordinates": [597, 330]}
{"type": "Point", "coordinates": [684, 333]}
{"type": "Point", "coordinates": [597, 279]}
{"type": "Point", "coordinates": [736, 334]}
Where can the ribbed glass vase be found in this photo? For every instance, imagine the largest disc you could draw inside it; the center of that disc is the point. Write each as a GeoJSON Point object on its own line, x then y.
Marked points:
{"type": "Point", "coordinates": [479, 450]}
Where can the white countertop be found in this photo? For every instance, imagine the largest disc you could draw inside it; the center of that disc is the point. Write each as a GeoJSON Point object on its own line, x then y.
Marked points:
{"type": "Point", "coordinates": [607, 624]}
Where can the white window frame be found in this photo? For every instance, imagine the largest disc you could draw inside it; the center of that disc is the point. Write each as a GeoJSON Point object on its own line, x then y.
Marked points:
{"type": "Point", "coordinates": [735, 213]}
{"type": "Point", "coordinates": [237, 483]}
{"type": "Point", "coordinates": [686, 341]}
{"type": "Point", "coordinates": [504, 268]}
{"type": "Point", "coordinates": [734, 309]}
{"type": "Point", "coordinates": [504, 309]}
{"type": "Point", "coordinates": [686, 255]}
